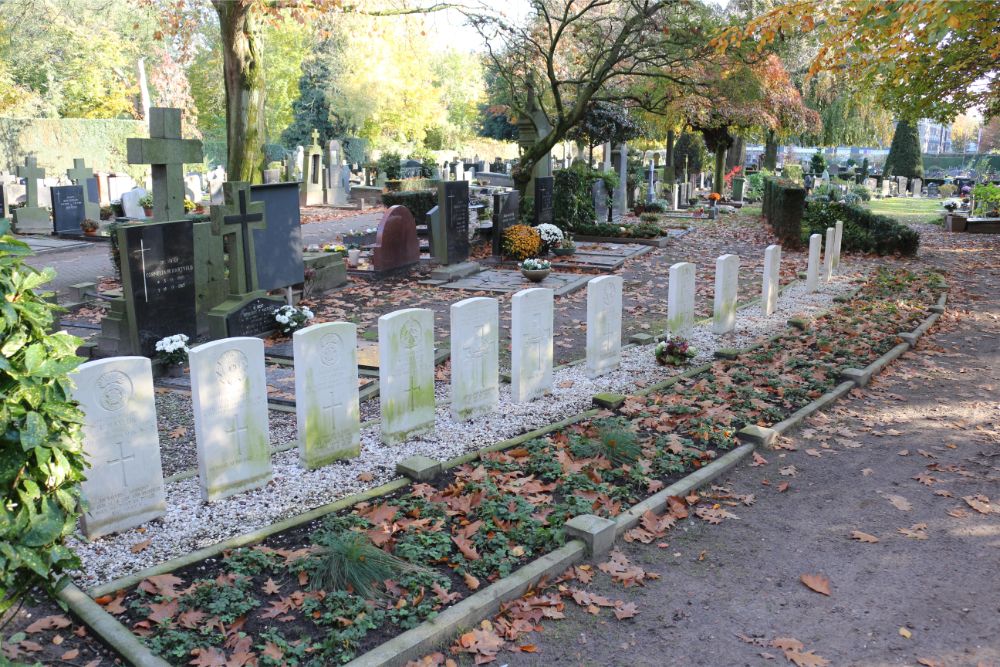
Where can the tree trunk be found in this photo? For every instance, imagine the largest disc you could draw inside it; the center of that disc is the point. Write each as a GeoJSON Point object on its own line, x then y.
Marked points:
{"type": "Point", "coordinates": [143, 89]}
{"type": "Point", "coordinates": [735, 156]}
{"type": "Point", "coordinates": [771, 152]}
{"type": "Point", "coordinates": [718, 184]}
{"type": "Point", "coordinates": [243, 75]}
{"type": "Point", "coordinates": [670, 157]}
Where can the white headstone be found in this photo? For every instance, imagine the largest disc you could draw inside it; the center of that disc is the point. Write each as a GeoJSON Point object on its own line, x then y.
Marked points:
{"type": "Point", "coordinates": [406, 373]}
{"type": "Point", "coordinates": [531, 344]}
{"type": "Point", "coordinates": [838, 239]}
{"type": "Point", "coordinates": [917, 186]}
{"type": "Point", "coordinates": [812, 269]}
{"type": "Point", "coordinates": [772, 279]}
{"type": "Point", "coordinates": [680, 298]}
{"type": "Point", "coordinates": [229, 396]}
{"type": "Point", "coordinates": [326, 393]}
{"type": "Point", "coordinates": [216, 178]}
{"type": "Point", "coordinates": [124, 485]}
{"type": "Point", "coordinates": [831, 235]}
{"type": "Point", "coordinates": [193, 187]}
{"type": "Point", "coordinates": [727, 283]}
{"type": "Point", "coordinates": [131, 206]}
{"type": "Point", "coordinates": [475, 347]}
{"type": "Point", "coordinates": [901, 182]}
{"type": "Point", "coordinates": [604, 325]}
{"type": "Point", "coordinates": [886, 183]}
{"type": "Point", "coordinates": [298, 162]}
{"type": "Point", "coordinates": [118, 186]}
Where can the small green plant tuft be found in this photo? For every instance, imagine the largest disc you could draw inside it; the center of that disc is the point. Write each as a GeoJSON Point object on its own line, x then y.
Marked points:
{"type": "Point", "coordinates": [349, 562]}
{"type": "Point", "coordinates": [619, 445]}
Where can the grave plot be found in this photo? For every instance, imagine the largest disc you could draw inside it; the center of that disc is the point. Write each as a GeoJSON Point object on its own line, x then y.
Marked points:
{"type": "Point", "coordinates": [599, 257]}
{"type": "Point", "coordinates": [501, 281]}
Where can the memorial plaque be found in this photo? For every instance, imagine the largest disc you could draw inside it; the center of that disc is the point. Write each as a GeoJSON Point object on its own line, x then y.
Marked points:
{"type": "Point", "coordinates": [254, 318]}
{"type": "Point", "coordinates": [600, 193]}
{"type": "Point", "coordinates": [506, 212]}
{"type": "Point", "coordinates": [543, 199]}
{"type": "Point", "coordinates": [158, 277]}
{"type": "Point", "coordinates": [451, 237]}
{"type": "Point", "coordinates": [278, 247]}
{"type": "Point", "coordinates": [68, 209]}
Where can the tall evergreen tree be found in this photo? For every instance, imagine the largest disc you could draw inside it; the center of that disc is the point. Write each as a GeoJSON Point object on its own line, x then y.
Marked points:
{"type": "Point", "coordinates": [904, 154]}
{"type": "Point", "coordinates": [312, 109]}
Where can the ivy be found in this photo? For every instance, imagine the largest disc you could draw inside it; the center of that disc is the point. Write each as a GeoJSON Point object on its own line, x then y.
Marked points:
{"type": "Point", "coordinates": [41, 450]}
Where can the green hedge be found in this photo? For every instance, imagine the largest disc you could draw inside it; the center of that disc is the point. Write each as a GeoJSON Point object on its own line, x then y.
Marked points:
{"type": "Point", "coordinates": [573, 199]}
{"type": "Point", "coordinates": [642, 230]}
{"type": "Point", "coordinates": [410, 184]}
{"type": "Point", "coordinates": [783, 205]}
{"type": "Point", "coordinates": [864, 231]}
{"type": "Point", "coordinates": [418, 201]}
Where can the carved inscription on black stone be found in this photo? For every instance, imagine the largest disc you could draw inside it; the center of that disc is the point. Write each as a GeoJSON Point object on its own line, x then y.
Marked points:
{"type": "Point", "coordinates": [506, 208]}
{"type": "Point", "coordinates": [543, 199]}
{"type": "Point", "coordinates": [255, 318]}
{"type": "Point", "coordinates": [456, 220]}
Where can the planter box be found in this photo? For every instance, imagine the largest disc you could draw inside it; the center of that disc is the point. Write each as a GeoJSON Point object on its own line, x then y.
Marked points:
{"type": "Point", "coordinates": [330, 272]}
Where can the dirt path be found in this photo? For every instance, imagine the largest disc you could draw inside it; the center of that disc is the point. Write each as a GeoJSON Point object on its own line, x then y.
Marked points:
{"type": "Point", "coordinates": [931, 597]}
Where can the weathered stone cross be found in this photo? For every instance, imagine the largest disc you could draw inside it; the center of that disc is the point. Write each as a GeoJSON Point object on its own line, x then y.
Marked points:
{"type": "Point", "coordinates": [31, 173]}
{"type": "Point", "coordinates": [167, 153]}
{"type": "Point", "coordinates": [239, 217]}
{"type": "Point", "coordinates": [81, 174]}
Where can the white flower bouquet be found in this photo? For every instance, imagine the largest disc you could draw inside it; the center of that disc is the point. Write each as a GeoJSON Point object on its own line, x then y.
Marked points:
{"type": "Point", "coordinates": [291, 319]}
{"type": "Point", "coordinates": [535, 264]}
{"type": "Point", "coordinates": [173, 350]}
{"type": "Point", "coordinates": [551, 235]}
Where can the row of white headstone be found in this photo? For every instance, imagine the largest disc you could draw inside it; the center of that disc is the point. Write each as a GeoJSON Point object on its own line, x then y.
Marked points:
{"type": "Point", "coordinates": [229, 387]}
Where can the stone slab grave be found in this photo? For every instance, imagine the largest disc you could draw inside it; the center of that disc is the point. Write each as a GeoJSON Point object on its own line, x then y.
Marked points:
{"type": "Point", "coordinates": [475, 347]}
{"type": "Point", "coordinates": [31, 218]}
{"type": "Point", "coordinates": [124, 485]}
{"type": "Point", "coordinates": [531, 344]}
{"type": "Point", "coordinates": [406, 373]}
{"type": "Point", "coordinates": [158, 280]}
{"type": "Point", "coordinates": [600, 256]}
{"type": "Point", "coordinates": [230, 416]}
{"type": "Point", "coordinates": [278, 245]}
{"type": "Point", "coordinates": [328, 412]}
{"type": "Point", "coordinates": [604, 325]}
{"type": "Point", "coordinates": [503, 281]}
{"type": "Point", "coordinates": [83, 176]}
{"type": "Point", "coordinates": [41, 244]}
{"type": "Point", "coordinates": [396, 243]}
{"type": "Point", "coordinates": [68, 210]}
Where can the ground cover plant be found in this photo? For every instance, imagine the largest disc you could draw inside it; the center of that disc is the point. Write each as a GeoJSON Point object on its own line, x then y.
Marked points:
{"type": "Point", "coordinates": [332, 589]}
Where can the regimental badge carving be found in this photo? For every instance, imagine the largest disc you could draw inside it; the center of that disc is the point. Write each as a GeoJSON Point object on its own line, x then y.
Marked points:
{"type": "Point", "coordinates": [115, 389]}
{"type": "Point", "coordinates": [330, 347]}
{"type": "Point", "coordinates": [231, 368]}
{"type": "Point", "coordinates": [411, 334]}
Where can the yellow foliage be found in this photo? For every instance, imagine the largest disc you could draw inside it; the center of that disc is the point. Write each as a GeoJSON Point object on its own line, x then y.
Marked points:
{"type": "Point", "coordinates": [521, 242]}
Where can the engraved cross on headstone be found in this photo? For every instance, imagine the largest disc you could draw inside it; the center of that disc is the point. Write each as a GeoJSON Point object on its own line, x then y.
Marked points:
{"type": "Point", "coordinates": [330, 410]}
{"type": "Point", "coordinates": [477, 348]}
{"type": "Point", "coordinates": [240, 433]}
{"type": "Point", "coordinates": [238, 217]}
{"type": "Point", "coordinates": [167, 152]}
{"type": "Point", "coordinates": [533, 339]}
{"type": "Point", "coordinates": [122, 459]}
{"type": "Point", "coordinates": [31, 173]}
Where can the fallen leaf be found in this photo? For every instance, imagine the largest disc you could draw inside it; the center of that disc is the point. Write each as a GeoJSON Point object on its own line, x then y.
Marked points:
{"type": "Point", "coordinates": [758, 460]}
{"type": "Point", "coordinates": [72, 654]}
{"type": "Point", "coordinates": [54, 622]}
{"type": "Point", "coordinates": [899, 502]}
{"type": "Point", "coordinates": [366, 477]}
{"type": "Point", "coordinates": [178, 432]}
{"type": "Point", "coordinates": [917, 531]}
{"type": "Point", "coordinates": [816, 582]}
{"type": "Point", "coordinates": [979, 502]}
{"type": "Point", "coordinates": [270, 587]}
{"type": "Point", "coordinates": [867, 472]}
{"type": "Point", "coordinates": [625, 610]}
{"type": "Point", "coordinates": [788, 471]}
{"type": "Point", "coordinates": [863, 537]}
{"type": "Point", "coordinates": [903, 632]}
{"type": "Point", "coordinates": [783, 487]}
{"type": "Point", "coordinates": [944, 493]}
{"type": "Point", "coordinates": [140, 546]}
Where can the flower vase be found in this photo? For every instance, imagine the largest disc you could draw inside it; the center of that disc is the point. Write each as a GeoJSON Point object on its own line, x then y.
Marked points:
{"type": "Point", "coordinates": [353, 256]}
{"type": "Point", "coordinates": [174, 370]}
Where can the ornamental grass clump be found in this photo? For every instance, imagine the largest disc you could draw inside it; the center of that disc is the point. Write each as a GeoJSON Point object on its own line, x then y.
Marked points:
{"type": "Point", "coordinates": [619, 445]}
{"type": "Point", "coordinates": [521, 242]}
{"type": "Point", "coordinates": [350, 562]}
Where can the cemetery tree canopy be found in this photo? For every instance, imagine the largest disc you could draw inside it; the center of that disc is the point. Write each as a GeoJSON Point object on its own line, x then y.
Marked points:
{"type": "Point", "coordinates": [924, 59]}
{"type": "Point", "coordinates": [904, 157]}
{"type": "Point", "coordinates": [567, 54]}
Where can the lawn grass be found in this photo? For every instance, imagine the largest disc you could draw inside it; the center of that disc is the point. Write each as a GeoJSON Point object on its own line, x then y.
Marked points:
{"type": "Point", "coordinates": [908, 209]}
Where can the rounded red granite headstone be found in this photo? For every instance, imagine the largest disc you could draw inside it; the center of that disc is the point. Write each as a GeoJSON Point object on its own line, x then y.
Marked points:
{"type": "Point", "coordinates": [396, 244]}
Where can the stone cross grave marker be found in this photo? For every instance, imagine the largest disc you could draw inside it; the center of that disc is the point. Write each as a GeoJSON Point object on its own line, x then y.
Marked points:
{"type": "Point", "coordinates": [312, 174]}
{"type": "Point", "coordinates": [604, 325]}
{"type": "Point", "coordinates": [31, 218]}
{"type": "Point", "coordinates": [229, 397]}
{"type": "Point", "coordinates": [812, 269]}
{"type": "Point", "coordinates": [83, 176]}
{"type": "Point", "coordinates": [727, 281]}
{"type": "Point", "coordinates": [450, 236]}
{"type": "Point", "coordinates": [158, 280]}
{"type": "Point", "coordinates": [335, 192]}
{"type": "Point", "coordinates": [772, 279]}
{"type": "Point", "coordinates": [167, 153]}
{"type": "Point", "coordinates": [396, 242]}
{"type": "Point", "coordinates": [406, 373]}
{"type": "Point", "coordinates": [506, 210]}
{"type": "Point", "coordinates": [124, 485]}
{"type": "Point", "coordinates": [838, 239]}
{"type": "Point", "coordinates": [828, 252]}
{"type": "Point", "coordinates": [68, 209]}
{"type": "Point", "coordinates": [680, 298]}
{"type": "Point", "coordinates": [475, 345]}
{"type": "Point", "coordinates": [326, 393]}
{"type": "Point", "coordinates": [531, 344]}
{"type": "Point", "coordinates": [543, 199]}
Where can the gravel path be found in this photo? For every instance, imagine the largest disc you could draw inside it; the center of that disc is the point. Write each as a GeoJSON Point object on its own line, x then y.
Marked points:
{"type": "Point", "coordinates": [902, 455]}
{"type": "Point", "coordinates": [191, 524]}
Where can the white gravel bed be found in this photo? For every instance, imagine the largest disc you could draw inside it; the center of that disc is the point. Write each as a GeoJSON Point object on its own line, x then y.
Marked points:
{"type": "Point", "coordinates": [191, 524]}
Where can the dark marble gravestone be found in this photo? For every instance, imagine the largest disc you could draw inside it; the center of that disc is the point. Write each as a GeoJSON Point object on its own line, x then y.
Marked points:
{"type": "Point", "coordinates": [506, 211]}
{"type": "Point", "coordinates": [253, 318]}
{"type": "Point", "coordinates": [396, 243]}
{"type": "Point", "coordinates": [278, 246]}
{"type": "Point", "coordinates": [451, 237]}
{"type": "Point", "coordinates": [599, 191]}
{"type": "Point", "coordinates": [158, 280]}
{"type": "Point", "coordinates": [543, 199]}
{"type": "Point", "coordinates": [68, 209]}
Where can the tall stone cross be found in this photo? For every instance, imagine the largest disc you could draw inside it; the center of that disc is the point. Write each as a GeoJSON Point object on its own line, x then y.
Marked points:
{"type": "Point", "coordinates": [238, 217]}
{"type": "Point", "coordinates": [31, 173]}
{"type": "Point", "coordinates": [81, 174]}
{"type": "Point", "coordinates": [315, 136]}
{"type": "Point", "coordinates": [167, 152]}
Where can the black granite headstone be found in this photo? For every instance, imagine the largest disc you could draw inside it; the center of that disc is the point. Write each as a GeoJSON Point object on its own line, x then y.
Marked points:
{"type": "Point", "coordinates": [452, 246]}
{"type": "Point", "coordinates": [158, 276]}
{"type": "Point", "coordinates": [67, 209]}
{"type": "Point", "coordinates": [506, 209]}
{"type": "Point", "coordinates": [933, 190]}
{"type": "Point", "coordinates": [543, 199]}
{"type": "Point", "coordinates": [278, 247]}
{"type": "Point", "coordinates": [600, 193]}
{"type": "Point", "coordinates": [255, 318]}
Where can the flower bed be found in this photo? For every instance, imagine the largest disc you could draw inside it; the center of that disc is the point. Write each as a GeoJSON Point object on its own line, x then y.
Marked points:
{"type": "Point", "coordinates": [279, 603]}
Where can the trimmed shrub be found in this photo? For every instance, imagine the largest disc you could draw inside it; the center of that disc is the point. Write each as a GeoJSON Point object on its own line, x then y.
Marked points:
{"type": "Point", "coordinates": [418, 201]}
{"type": "Point", "coordinates": [41, 450]}
{"type": "Point", "coordinates": [389, 164]}
{"type": "Point", "coordinates": [572, 197]}
{"type": "Point", "coordinates": [410, 184]}
{"type": "Point", "coordinates": [792, 172]}
{"type": "Point", "coordinates": [864, 231]}
{"type": "Point", "coordinates": [641, 230]}
{"type": "Point", "coordinates": [904, 157]}
{"type": "Point", "coordinates": [784, 203]}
